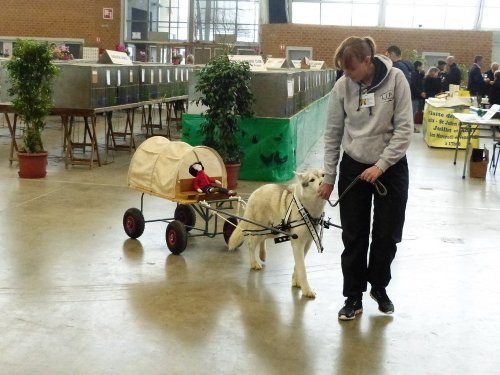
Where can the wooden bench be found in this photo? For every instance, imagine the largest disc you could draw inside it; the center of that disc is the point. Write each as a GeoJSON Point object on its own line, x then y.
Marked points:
{"type": "Point", "coordinates": [185, 192]}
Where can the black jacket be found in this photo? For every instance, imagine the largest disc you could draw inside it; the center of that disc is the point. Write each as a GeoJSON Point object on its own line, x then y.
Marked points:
{"type": "Point", "coordinates": [495, 92]}
{"type": "Point", "coordinates": [418, 85]}
{"type": "Point", "coordinates": [432, 86]}
{"type": "Point", "coordinates": [490, 74]}
{"type": "Point", "coordinates": [406, 68]}
{"type": "Point", "coordinates": [476, 85]}
{"type": "Point", "coordinates": [411, 75]}
{"type": "Point", "coordinates": [454, 77]}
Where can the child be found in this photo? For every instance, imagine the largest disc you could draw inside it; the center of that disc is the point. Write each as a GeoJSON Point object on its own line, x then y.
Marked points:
{"type": "Point", "coordinates": [203, 183]}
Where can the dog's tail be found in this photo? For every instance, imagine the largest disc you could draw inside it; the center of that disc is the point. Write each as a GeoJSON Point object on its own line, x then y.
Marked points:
{"type": "Point", "coordinates": [236, 238]}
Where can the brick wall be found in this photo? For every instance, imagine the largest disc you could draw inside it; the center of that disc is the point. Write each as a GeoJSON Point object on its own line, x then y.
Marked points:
{"type": "Point", "coordinates": [62, 19]}
{"type": "Point", "coordinates": [83, 19]}
{"type": "Point", "coordinates": [324, 40]}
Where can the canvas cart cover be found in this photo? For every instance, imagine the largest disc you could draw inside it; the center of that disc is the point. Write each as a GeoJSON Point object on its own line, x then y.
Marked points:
{"type": "Point", "coordinates": [158, 164]}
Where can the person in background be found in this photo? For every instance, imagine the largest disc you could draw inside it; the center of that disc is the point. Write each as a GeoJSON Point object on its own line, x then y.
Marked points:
{"type": "Point", "coordinates": [177, 59]}
{"type": "Point", "coordinates": [489, 78]}
{"type": "Point", "coordinates": [189, 60]}
{"type": "Point", "coordinates": [441, 65]}
{"type": "Point", "coordinates": [490, 74]}
{"type": "Point", "coordinates": [370, 119]}
{"type": "Point", "coordinates": [416, 93]}
{"type": "Point", "coordinates": [476, 84]}
{"type": "Point", "coordinates": [453, 76]}
{"type": "Point", "coordinates": [394, 53]}
{"type": "Point", "coordinates": [419, 81]}
{"type": "Point", "coordinates": [432, 83]}
{"type": "Point", "coordinates": [494, 94]}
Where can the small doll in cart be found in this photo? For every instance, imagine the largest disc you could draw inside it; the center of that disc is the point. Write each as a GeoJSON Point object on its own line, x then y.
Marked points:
{"type": "Point", "coordinates": [203, 183]}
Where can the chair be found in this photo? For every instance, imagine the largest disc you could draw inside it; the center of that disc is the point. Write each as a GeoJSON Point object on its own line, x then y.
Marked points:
{"type": "Point", "coordinates": [494, 161]}
{"type": "Point", "coordinates": [496, 148]}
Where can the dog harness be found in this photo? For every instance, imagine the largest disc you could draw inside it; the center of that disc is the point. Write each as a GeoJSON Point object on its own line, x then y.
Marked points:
{"type": "Point", "coordinates": [307, 220]}
{"type": "Point", "coordinates": [286, 225]}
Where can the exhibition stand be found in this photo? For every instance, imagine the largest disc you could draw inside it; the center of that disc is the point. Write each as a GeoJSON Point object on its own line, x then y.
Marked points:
{"type": "Point", "coordinates": [273, 147]}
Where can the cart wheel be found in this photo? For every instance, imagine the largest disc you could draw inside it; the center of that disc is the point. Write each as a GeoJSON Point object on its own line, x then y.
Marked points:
{"type": "Point", "coordinates": [176, 237]}
{"type": "Point", "coordinates": [133, 222]}
{"type": "Point", "coordinates": [186, 215]}
{"type": "Point", "coordinates": [228, 227]}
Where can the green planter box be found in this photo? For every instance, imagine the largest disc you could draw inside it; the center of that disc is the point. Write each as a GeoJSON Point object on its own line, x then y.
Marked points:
{"type": "Point", "coordinates": [273, 147]}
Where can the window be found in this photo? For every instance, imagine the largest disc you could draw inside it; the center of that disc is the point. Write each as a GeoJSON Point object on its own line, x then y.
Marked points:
{"type": "Point", "coordinates": [430, 14]}
{"type": "Point", "coordinates": [214, 19]}
{"type": "Point", "coordinates": [336, 12]}
{"type": "Point", "coordinates": [490, 15]}
{"type": "Point", "coordinates": [427, 14]}
{"type": "Point", "coordinates": [238, 18]}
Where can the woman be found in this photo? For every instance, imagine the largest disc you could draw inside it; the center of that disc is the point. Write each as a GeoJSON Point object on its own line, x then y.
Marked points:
{"type": "Point", "coordinates": [432, 83]}
{"type": "Point", "coordinates": [370, 116]}
{"type": "Point", "coordinates": [494, 97]}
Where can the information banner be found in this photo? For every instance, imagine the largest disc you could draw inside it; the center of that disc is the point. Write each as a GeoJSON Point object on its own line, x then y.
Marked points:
{"type": "Point", "coordinates": [440, 128]}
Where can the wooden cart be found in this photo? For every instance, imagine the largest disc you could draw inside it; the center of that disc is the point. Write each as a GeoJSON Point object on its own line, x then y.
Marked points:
{"type": "Point", "coordinates": [160, 167]}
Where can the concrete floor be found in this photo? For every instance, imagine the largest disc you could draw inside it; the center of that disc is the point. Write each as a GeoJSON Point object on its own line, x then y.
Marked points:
{"type": "Point", "coordinates": [78, 297]}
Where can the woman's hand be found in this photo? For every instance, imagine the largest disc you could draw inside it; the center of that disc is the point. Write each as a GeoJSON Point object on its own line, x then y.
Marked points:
{"type": "Point", "coordinates": [371, 174]}
{"type": "Point", "coordinates": [325, 190]}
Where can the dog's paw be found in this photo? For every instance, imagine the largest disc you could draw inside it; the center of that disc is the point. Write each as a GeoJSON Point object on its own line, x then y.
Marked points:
{"type": "Point", "coordinates": [256, 266]}
{"type": "Point", "coordinates": [262, 255]}
{"type": "Point", "coordinates": [309, 293]}
{"type": "Point", "coordinates": [295, 283]}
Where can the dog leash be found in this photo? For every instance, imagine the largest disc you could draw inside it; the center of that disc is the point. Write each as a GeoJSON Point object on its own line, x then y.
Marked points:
{"type": "Point", "coordinates": [379, 188]}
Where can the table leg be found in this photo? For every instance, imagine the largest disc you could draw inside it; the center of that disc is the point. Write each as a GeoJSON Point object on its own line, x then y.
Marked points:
{"type": "Point", "coordinates": [12, 129]}
{"type": "Point", "coordinates": [458, 141]}
{"type": "Point", "coordinates": [94, 142]}
{"type": "Point", "coordinates": [469, 135]}
{"type": "Point", "coordinates": [150, 119]}
{"type": "Point", "coordinates": [67, 140]}
{"type": "Point", "coordinates": [169, 109]}
{"type": "Point", "coordinates": [143, 119]}
{"type": "Point", "coordinates": [130, 123]}
{"type": "Point", "coordinates": [159, 115]}
{"type": "Point", "coordinates": [110, 135]}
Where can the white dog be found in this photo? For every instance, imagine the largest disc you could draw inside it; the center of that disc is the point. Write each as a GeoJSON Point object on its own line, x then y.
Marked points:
{"type": "Point", "coordinates": [268, 205]}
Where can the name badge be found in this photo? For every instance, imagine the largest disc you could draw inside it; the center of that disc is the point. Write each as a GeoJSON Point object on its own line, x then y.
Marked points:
{"type": "Point", "coordinates": [367, 100]}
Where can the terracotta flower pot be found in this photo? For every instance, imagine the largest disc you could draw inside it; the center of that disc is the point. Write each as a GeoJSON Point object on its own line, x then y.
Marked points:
{"type": "Point", "coordinates": [32, 165]}
{"type": "Point", "coordinates": [233, 173]}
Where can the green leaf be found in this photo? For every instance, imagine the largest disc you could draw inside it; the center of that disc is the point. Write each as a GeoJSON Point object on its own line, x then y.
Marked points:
{"type": "Point", "coordinates": [224, 88]}
{"type": "Point", "coordinates": [31, 73]}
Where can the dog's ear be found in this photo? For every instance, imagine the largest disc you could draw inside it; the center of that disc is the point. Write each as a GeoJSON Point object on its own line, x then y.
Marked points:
{"type": "Point", "coordinates": [300, 176]}
{"type": "Point", "coordinates": [303, 178]}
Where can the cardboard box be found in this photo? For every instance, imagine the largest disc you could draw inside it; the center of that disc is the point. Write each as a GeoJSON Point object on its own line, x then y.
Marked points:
{"type": "Point", "coordinates": [478, 164]}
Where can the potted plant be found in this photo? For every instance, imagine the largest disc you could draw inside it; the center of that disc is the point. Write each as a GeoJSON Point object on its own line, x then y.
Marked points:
{"type": "Point", "coordinates": [31, 73]}
{"type": "Point", "coordinates": [224, 88]}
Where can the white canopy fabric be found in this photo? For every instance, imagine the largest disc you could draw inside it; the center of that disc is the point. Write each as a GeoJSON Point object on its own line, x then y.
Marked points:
{"type": "Point", "coordinates": [158, 164]}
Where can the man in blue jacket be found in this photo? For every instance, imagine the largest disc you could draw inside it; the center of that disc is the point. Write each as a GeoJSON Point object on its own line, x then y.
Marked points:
{"type": "Point", "coordinates": [394, 53]}
{"type": "Point", "coordinates": [476, 84]}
